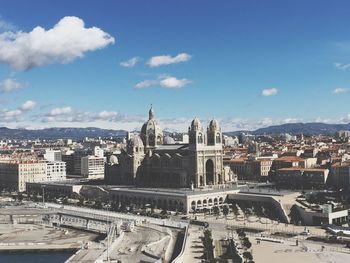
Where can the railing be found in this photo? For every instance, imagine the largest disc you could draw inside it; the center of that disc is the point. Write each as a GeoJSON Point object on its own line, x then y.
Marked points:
{"type": "Point", "coordinates": [99, 214]}
{"type": "Point", "coordinates": [178, 259]}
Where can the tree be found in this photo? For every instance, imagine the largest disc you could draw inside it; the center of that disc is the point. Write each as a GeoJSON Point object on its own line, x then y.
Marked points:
{"type": "Point", "coordinates": [216, 210]}
{"type": "Point", "coordinates": [232, 252]}
{"type": "Point", "coordinates": [246, 243]}
{"type": "Point", "coordinates": [65, 201]}
{"type": "Point", "coordinates": [247, 255]}
{"type": "Point", "coordinates": [20, 197]}
{"type": "Point", "coordinates": [208, 248]}
{"type": "Point", "coordinates": [235, 210]}
{"type": "Point", "coordinates": [98, 204]}
{"type": "Point", "coordinates": [225, 210]}
{"type": "Point", "coordinates": [122, 207]}
{"type": "Point", "coordinates": [81, 201]}
{"type": "Point", "coordinates": [153, 205]}
{"type": "Point", "coordinates": [240, 233]}
{"type": "Point", "coordinates": [114, 206]}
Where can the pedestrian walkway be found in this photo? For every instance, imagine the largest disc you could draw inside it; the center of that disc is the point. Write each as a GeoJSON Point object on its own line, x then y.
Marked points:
{"type": "Point", "coordinates": [194, 248]}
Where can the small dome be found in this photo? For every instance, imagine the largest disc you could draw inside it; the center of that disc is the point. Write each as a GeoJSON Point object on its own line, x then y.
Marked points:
{"type": "Point", "coordinates": [196, 124]}
{"type": "Point", "coordinates": [169, 140]}
{"type": "Point", "coordinates": [135, 141]}
{"type": "Point", "coordinates": [214, 125]}
{"type": "Point", "coordinates": [113, 159]}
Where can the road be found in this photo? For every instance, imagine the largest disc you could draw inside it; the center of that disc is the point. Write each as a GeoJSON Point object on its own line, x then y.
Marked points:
{"type": "Point", "coordinates": [134, 243]}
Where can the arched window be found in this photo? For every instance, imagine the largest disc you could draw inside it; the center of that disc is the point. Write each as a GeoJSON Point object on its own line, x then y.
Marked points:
{"type": "Point", "coordinates": [200, 138]}
{"type": "Point", "coordinates": [218, 138]}
{"type": "Point", "coordinates": [193, 204]}
{"type": "Point", "coordinates": [151, 140]}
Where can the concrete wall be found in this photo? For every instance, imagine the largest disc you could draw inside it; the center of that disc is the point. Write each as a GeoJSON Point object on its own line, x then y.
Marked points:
{"type": "Point", "coordinates": [261, 198]}
{"type": "Point", "coordinates": [179, 258]}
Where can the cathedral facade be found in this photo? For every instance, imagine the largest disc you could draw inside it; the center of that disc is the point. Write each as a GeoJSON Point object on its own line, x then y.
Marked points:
{"type": "Point", "coordinates": [147, 161]}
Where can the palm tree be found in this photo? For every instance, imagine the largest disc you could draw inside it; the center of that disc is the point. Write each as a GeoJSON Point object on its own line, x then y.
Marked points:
{"type": "Point", "coordinates": [225, 210]}
{"type": "Point", "coordinates": [216, 210]}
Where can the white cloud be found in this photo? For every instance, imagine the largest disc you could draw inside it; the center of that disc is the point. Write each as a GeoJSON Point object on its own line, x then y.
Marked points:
{"type": "Point", "coordinates": [60, 111]}
{"type": "Point", "coordinates": [342, 66]}
{"type": "Point", "coordinates": [28, 105]}
{"type": "Point", "coordinates": [107, 115]}
{"type": "Point", "coordinates": [15, 115]}
{"type": "Point", "coordinates": [113, 120]}
{"type": "Point", "coordinates": [340, 90]}
{"type": "Point", "coordinates": [173, 83]}
{"type": "Point", "coordinates": [269, 92]}
{"type": "Point", "coordinates": [146, 84]}
{"type": "Point", "coordinates": [68, 115]}
{"type": "Point", "coordinates": [9, 85]}
{"type": "Point", "coordinates": [67, 40]}
{"type": "Point", "coordinates": [130, 63]}
{"type": "Point", "coordinates": [12, 113]}
{"type": "Point", "coordinates": [164, 81]}
{"type": "Point", "coordinates": [167, 59]}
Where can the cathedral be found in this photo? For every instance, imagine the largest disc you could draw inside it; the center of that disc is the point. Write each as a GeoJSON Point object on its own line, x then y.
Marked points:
{"type": "Point", "coordinates": [147, 160]}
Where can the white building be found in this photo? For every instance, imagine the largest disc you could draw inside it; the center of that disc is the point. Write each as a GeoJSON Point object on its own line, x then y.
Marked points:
{"type": "Point", "coordinates": [98, 152]}
{"type": "Point", "coordinates": [185, 138]}
{"type": "Point", "coordinates": [93, 167]}
{"type": "Point", "coordinates": [230, 141]}
{"type": "Point", "coordinates": [15, 174]}
{"type": "Point", "coordinates": [53, 155]}
{"type": "Point", "coordinates": [56, 171]}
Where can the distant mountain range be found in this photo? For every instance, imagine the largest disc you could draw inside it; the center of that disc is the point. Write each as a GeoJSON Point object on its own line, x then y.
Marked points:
{"type": "Point", "coordinates": [60, 133]}
{"type": "Point", "coordinates": [313, 128]}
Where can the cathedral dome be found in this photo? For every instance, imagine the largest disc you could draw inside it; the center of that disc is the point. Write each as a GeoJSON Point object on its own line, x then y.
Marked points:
{"type": "Point", "coordinates": [151, 126]}
{"type": "Point", "coordinates": [151, 132]}
{"type": "Point", "coordinates": [196, 124]}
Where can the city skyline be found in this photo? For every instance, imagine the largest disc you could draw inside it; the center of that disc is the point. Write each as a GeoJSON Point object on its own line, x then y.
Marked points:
{"type": "Point", "coordinates": [249, 65]}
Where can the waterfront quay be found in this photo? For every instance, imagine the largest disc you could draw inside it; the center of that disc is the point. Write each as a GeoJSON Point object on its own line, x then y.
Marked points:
{"type": "Point", "coordinates": [94, 235]}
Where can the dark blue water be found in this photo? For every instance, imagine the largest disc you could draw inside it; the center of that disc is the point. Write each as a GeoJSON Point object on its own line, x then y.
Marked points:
{"type": "Point", "coordinates": [45, 257]}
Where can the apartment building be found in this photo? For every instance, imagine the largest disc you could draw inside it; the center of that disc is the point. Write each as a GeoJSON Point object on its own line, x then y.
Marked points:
{"type": "Point", "coordinates": [56, 171]}
{"type": "Point", "coordinates": [53, 155]}
{"type": "Point", "coordinates": [15, 174]}
{"type": "Point", "coordinates": [93, 167]}
{"type": "Point", "coordinates": [301, 178]}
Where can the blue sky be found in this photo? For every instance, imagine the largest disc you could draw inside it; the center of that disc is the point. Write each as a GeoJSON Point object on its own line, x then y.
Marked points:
{"type": "Point", "coordinates": [247, 63]}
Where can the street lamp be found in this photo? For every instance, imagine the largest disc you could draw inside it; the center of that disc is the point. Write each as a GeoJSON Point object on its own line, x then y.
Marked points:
{"type": "Point", "coordinates": [43, 188]}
